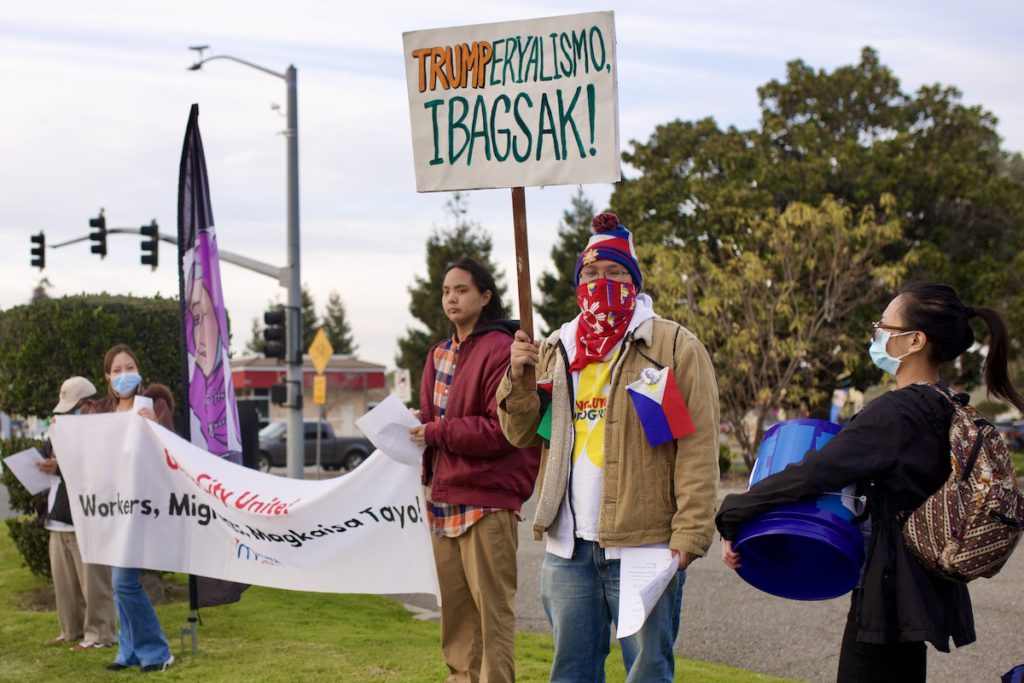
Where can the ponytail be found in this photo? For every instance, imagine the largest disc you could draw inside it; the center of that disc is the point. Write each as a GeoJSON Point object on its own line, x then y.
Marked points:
{"type": "Point", "coordinates": [937, 310]}
{"type": "Point", "coordinates": [997, 377]}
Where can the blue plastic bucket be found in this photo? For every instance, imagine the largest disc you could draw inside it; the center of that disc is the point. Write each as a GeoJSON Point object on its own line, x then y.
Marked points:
{"type": "Point", "coordinates": [802, 551]}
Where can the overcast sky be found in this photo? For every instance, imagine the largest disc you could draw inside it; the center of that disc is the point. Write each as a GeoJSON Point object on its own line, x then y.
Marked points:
{"type": "Point", "coordinates": [97, 96]}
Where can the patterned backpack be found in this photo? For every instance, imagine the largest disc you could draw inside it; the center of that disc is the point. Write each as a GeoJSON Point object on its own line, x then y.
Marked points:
{"type": "Point", "coordinates": [970, 526]}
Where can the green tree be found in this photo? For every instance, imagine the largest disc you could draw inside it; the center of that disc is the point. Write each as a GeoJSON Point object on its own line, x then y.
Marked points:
{"type": "Point", "coordinates": [851, 134]}
{"type": "Point", "coordinates": [462, 237]}
{"type": "Point", "coordinates": [39, 293]}
{"type": "Point", "coordinates": [335, 325]}
{"type": "Point", "coordinates": [256, 342]}
{"type": "Point", "coordinates": [558, 290]}
{"type": "Point", "coordinates": [779, 305]}
{"type": "Point", "coordinates": [310, 320]}
{"type": "Point", "coordinates": [44, 343]}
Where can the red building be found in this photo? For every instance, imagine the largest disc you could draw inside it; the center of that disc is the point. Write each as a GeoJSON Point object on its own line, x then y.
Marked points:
{"type": "Point", "coordinates": [353, 387]}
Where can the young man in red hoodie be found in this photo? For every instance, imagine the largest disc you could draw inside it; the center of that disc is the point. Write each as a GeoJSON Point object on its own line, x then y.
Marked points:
{"type": "Point", "coordinates": [477, 481]}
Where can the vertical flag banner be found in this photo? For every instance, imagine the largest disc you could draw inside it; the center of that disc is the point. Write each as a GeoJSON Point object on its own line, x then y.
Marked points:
{"type": "Point", "coordinates": [212, 411]}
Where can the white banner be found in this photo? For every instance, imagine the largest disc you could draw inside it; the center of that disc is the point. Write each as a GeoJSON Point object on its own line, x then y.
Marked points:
{"type": "Point", "coordinates": [143, 497]}
{"type": "Point", "coordinates": [513, 104]}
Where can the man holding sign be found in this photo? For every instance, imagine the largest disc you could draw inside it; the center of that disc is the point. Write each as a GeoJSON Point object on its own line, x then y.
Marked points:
{"type": "Point", "coordinates": [630, 430]}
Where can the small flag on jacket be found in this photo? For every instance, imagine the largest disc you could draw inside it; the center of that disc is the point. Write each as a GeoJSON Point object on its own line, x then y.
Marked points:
{"type": "Point", "coordinates": [544, 391]}
{"type": "Point", "coordinates": [660, 406]}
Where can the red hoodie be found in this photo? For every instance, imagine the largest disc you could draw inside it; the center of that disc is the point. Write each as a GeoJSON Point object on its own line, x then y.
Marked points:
{"type": "Point", "coordinates": [468, 458]}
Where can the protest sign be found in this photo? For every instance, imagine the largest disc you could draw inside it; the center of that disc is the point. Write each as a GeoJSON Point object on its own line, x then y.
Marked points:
{"type": "Point", "coordinates": [513, 104]}
{"type": "Point", "coordinates": [143, 497]}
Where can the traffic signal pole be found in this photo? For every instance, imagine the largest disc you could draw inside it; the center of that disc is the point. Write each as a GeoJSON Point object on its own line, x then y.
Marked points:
{"type": "Point", "coordinates": [278, 273]}
{"type": "Point", "coordinates": [296, 456]}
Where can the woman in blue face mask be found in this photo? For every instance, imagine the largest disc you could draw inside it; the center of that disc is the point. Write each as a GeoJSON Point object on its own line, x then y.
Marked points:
{"type": "Point", "coordinates": [140, 639]}
{"type": "Point", "coordinates": [897, 452]}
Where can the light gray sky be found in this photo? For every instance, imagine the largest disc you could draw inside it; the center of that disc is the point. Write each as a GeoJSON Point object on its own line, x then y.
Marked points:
{"type": "Point", "coordinates": [97, 97]}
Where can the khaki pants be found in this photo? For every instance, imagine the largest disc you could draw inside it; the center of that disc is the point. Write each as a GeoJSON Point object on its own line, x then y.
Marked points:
{"type": "Point", "coordinates": [85, 597]}
{"type": "Point", "coordinates": [477, 575]}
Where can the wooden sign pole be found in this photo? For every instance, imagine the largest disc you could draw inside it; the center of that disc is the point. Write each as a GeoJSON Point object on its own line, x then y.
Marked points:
{"type": "Point", "coordinates": [523, 276]}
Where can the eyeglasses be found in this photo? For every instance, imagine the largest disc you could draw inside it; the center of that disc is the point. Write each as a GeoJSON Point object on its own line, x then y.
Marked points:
{"type": "Point", "coordinates": [616, 274]}
{"type": "Point", "coordinates": [879, 325]}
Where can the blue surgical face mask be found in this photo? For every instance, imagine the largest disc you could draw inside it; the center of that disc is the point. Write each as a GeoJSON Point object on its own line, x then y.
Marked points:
{"type": "Point", "coordinates": [126, 383]}
{"type": "Point", "coordinates": [880, 356]}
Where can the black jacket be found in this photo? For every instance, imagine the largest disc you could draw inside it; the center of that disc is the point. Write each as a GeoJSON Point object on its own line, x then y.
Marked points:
{"type": "Point", "coordinates": [897, 452]}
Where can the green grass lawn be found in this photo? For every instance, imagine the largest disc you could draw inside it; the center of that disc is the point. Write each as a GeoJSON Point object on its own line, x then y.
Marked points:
{"type": "Point", "coordinates": [274, 635]}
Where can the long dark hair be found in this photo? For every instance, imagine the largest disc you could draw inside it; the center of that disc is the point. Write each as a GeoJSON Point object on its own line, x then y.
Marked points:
{"type": "Point", "coordinates": [937, 310]}
{"type": "Point", "coordinates": [484, 282]}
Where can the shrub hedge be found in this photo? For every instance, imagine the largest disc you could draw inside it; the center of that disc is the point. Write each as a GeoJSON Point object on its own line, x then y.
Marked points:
{"type": "Point", "coordinates": [26, 530]}
{"type": "Point", "coordinates": [44, 343]}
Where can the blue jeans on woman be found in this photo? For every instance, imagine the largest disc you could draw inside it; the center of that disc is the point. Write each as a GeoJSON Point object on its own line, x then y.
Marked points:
{"type": "Point", "coordinates": [140, 638]}
{"type": "Point", "coordinates": [581, 599]}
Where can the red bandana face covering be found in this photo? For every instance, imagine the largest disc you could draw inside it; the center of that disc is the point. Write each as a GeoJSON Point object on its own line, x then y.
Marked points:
{"type": "Point", "coordinates": [606, 308]}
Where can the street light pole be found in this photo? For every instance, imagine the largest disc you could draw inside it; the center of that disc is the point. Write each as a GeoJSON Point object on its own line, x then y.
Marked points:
{"type": "Point", "coordinates": [294, 342]}
{"type": "Point", "coordinates": [296, 438]}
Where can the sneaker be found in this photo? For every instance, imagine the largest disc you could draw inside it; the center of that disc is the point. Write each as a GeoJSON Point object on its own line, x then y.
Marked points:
{"type": "Point", "coordinates": [87, 645]}
{"type": "Point", "coordinates": [59, 640]}
{"type": "Point", "coordinates": [150, 668]}
{"type": "Point", "coordinates": [115, 666]}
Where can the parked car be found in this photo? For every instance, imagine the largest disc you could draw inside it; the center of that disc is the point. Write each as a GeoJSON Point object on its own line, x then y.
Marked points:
{"type": "Point", "coordinates": [335, 451]}
{"type": "Point", "coordinates": [1013, 434]}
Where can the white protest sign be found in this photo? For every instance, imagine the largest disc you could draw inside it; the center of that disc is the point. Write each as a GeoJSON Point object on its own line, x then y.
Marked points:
{"type": "Point", "coordinates": [387, 427]}
{"type": "Point", "coordinates": [514, 104]}
{"type": "Point", "coordinates": [143, 497]}
{"type": "Point", "coordinates": [24, 465]}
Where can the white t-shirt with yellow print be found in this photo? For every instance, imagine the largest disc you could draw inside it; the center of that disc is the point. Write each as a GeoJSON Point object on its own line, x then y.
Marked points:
{"type": "Point", "coordinates": [583, 499]}
{"type": "Point", "coordinates": [588, 443]}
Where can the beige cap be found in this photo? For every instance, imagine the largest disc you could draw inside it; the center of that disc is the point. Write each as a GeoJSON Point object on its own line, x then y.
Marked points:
{"type": "Point", "coordinates": [72, 392]}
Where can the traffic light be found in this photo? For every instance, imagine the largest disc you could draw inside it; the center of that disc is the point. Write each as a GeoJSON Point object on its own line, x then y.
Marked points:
{"type": "Point", "coordinates": [100, 235]}
{"type": "Point", "coordinates": [39, 250]}
{"type": "Point", "coordinates": [151, 246]}
{"type": "Point", "coordinates": [273, 333]}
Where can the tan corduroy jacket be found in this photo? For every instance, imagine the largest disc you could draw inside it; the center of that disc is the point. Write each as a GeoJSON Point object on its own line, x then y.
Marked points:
{"type": "Point", "coordinates": [649, 494]}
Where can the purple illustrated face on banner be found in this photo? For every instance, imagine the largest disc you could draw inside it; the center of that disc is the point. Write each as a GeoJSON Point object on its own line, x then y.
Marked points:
{"type": "Point", "coordinates": [207, 390]}
{"type": "Point", "coordinates": [204, 339]}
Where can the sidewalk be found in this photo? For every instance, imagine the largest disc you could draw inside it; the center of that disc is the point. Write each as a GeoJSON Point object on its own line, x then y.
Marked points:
{"type": "Point", "coordinates": [726, 620]}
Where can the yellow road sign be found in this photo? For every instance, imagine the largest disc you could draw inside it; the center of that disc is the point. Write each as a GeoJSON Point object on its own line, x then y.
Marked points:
{"type": "Point", "coordinates": [320, 351]}
{"type": "Point", "coordinates": [320, 389]}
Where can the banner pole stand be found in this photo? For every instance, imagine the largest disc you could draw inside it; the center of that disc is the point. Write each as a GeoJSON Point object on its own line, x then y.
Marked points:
{"type": "Point", "coordinates": [193, 616]}
{"type": "Point", "coordinates": [523, 276]}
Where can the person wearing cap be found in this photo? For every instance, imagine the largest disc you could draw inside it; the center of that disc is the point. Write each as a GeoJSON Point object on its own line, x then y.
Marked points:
{"type": "Point", "coordinates": [83, 592]}
{"type": "Point", "coordinates": [612, 476]}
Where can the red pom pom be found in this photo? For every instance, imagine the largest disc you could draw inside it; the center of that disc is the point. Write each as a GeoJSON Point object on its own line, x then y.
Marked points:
{"type": "Point", "coordinates": [604, 222]}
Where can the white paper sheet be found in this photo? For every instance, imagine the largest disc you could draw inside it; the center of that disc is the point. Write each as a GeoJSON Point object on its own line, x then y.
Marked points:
{"type": "Point", "coordinates": [142, 402]}
{"type": "Point", "coordinates": [643, 575]}
{"type": "Point", "coordinates": [387, 426]}
{"type": "Point", "coordinates": [23, 465]}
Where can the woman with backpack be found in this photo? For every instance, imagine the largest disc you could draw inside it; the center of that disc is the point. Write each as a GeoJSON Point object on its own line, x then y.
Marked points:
{"type": "Point", "coordinates": [897, 452]}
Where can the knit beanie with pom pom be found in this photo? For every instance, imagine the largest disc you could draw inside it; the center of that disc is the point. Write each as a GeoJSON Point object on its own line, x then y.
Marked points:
{"type": "Point", "coordinates": [610, 242]}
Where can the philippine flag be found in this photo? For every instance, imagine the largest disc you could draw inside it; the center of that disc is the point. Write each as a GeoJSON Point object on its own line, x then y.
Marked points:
{"type": "Point", "coordinates": [660, 406]}
{"type": "Point", "coordinates": [544, 391]}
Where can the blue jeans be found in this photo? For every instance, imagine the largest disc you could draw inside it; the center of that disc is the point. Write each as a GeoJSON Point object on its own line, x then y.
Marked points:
{"type": "Point", "coordinates": [581, 599]}
{"type": "Point", "coordinates": [140, 639]}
